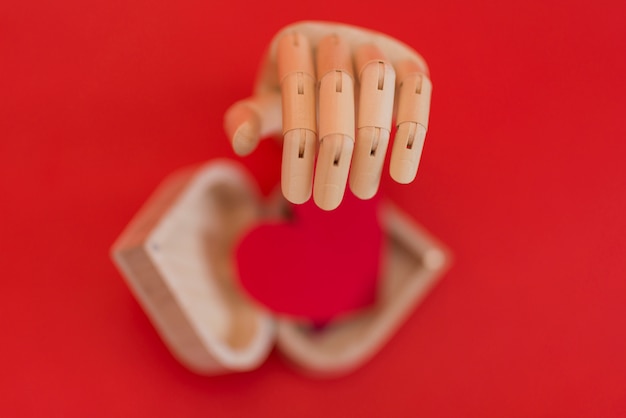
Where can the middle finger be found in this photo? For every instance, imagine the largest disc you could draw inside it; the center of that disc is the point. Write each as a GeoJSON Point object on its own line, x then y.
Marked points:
{"type": "Point", "coordinates": [336, 121]}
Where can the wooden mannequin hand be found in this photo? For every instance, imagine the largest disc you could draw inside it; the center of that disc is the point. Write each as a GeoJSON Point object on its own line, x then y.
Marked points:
{"type": "Point", "coordinates": [307, 97]}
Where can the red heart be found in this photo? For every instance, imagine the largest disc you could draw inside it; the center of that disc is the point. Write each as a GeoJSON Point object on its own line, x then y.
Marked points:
{"type": "Point", "coordinates": [316, 265]}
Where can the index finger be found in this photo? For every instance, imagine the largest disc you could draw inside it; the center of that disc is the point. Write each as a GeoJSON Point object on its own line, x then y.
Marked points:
{"type": "Point", "coordinates": [297, 84]}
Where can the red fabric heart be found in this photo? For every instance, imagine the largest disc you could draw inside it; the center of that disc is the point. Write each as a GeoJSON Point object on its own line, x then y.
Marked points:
{"type": "Point", "coordinates": [316, 265]}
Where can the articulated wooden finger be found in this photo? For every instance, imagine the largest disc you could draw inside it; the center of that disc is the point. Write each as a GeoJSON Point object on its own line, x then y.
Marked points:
{"type": "Point", "coordinates": [297, 83]}
{"type": "Point", "coordinates": [336, 88]}
{"type": "Point", "coordinates": [407, 150]}
{"type": "Point", "coordinates": [378, 84]}
{"type": "Point", "coordinates": [377, 87]}
{"type": "Point", "coordinates": [249, 120]}
{"type": "Point", "coordinates": [412, 120]}
{"type": "Point", "coordinates": [336, 122]}
{"type": "Point", "coordinates": [368, 160]}
{"type": "Point", "coordinates": [331, 174]}
{"type": "Point", "coordinates": [415, 89]}
{"type": "Point", "coordinates": [297, 170]}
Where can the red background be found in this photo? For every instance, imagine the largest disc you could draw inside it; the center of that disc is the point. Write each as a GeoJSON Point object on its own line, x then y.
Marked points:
{"type": "Point", "coordinates": [523, 176]}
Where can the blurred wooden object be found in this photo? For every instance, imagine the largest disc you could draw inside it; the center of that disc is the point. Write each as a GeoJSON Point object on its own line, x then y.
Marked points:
{"type": "Point", "coordinates": [176, 256]}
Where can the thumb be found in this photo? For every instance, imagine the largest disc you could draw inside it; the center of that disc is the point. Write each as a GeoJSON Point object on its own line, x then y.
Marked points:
{"type": "Point", "coordinates": [249, 120]}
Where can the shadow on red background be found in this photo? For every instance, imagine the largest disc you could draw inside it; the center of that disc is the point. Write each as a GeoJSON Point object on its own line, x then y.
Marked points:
{"type": "Point", "coordinates": [522, 176]}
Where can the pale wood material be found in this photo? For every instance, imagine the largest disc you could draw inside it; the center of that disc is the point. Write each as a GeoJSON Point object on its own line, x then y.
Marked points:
{"type": "Point", "coordinates": [412, 120]}
{"type": "Point", "coordinates": [286, 70]}
{"type": "Point", "coordinates": [377, 79]}
{"type": "Point", "coordinates": [176, 256]}
{"type": "Point", "coordinates": [414, 97]}
{"type": "Point", "coordinates": [336, 121]}
{"type": "Point", "coordinates": [377, 82]}
{"type": "Point", "coordinates": [395, 50]}
{"type": "Point", "coordinates": [249, 120]}
{"type": "Point", "coordinates": [298, 90]}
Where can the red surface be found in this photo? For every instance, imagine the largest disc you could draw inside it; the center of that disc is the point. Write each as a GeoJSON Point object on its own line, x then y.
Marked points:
{"type": "Point", "coordinates": [317, 264]}
{"type": "Point", "coordinates": [523, 176]}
